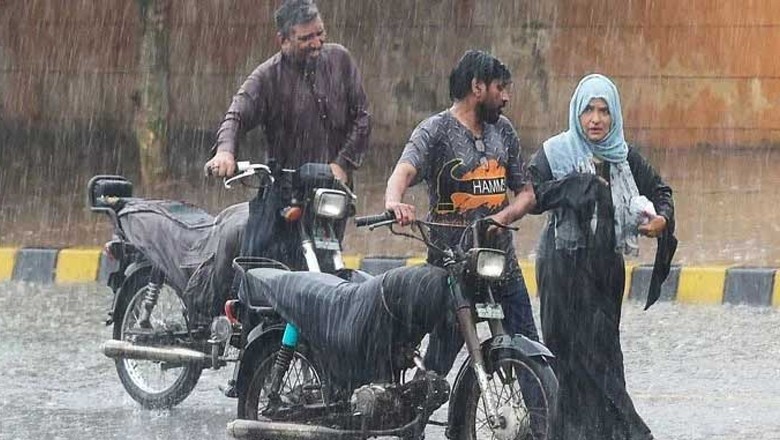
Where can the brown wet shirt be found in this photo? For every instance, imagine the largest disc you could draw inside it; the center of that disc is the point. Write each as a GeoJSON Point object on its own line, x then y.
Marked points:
{"type": "Point", "coordinates": [315, 114]}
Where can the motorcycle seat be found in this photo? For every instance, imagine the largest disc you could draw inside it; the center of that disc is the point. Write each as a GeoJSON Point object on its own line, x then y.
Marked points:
{"type": "Point", "coordinates": [184, 214]}
{"type": "Point", "coordinates": [178, 237]}
{"type": "Point", "coordinates": [357, 325]}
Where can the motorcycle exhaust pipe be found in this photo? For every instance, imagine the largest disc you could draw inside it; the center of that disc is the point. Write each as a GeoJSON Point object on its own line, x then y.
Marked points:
{"type": "Point", "coordinates": [126, 350]}
{"type": "Point", "coordinates": [264, 429]}
{"type": "Point", "coordinates": [254, 429]}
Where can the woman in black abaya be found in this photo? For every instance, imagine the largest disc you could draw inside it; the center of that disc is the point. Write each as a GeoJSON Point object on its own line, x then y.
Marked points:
{"type": "Point", "coordinates": [600, 194]}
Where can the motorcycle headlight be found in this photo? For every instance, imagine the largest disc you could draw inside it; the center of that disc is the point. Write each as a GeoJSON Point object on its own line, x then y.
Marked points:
{"type": "Point", "coordinates": [490, 263]}
{"type": "Point", "coordinates": [330, 203]}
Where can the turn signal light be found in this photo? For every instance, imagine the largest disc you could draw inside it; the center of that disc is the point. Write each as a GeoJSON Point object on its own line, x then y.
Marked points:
{"type": "Point", "coordinates": [292, 213]}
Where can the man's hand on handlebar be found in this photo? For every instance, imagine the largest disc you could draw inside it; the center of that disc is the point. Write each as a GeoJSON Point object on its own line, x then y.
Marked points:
{"type": "Point", "coordinates": [500, 218]}
{"type": "Point", "coordinates": [404, 213]}
{"type": "Point", "coordinates": [339, 172]}
{"type": "Point", "coordinates": [223, 164]}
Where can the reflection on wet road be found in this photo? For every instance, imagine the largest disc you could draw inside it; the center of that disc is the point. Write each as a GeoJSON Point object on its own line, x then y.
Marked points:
{"type": "Point", "coordinates": [695, 372]}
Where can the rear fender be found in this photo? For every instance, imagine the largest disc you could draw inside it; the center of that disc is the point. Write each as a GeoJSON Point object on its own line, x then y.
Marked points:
{"type": "Point", "coordinates": [261, 338]}
{"type": "Point", "coordinates": [490, 348]}
{"type": "Point", "coordinates": [135, 269]}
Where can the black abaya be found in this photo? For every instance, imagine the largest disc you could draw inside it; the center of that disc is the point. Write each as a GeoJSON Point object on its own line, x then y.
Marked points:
{"type": "Point", "coordinates": [581, 295]}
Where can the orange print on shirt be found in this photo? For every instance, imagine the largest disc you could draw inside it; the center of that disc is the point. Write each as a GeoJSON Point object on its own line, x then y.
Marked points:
{"type": "Point", "coordinates": [484, 185]}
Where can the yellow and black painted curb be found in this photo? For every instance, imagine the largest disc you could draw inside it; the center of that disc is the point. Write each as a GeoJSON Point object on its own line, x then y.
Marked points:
{"type": "Point", "coordinates": [759, 286]}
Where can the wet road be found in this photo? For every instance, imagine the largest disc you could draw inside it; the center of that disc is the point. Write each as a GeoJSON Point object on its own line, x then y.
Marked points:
{"type": "Point", "coordinates": [695, 372]}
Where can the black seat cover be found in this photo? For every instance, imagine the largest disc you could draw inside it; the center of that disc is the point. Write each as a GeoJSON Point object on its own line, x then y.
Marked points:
{"type": "Point", "coordinates": [355, 326]}
{"type": "Point", "coordinates": [178, 237]}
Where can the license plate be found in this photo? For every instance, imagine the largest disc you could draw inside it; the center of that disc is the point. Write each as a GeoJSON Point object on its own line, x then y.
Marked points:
{"type": "Point", "coordinates": [323, 240]}
{"type": "Point", "coordinates": [490, 311]}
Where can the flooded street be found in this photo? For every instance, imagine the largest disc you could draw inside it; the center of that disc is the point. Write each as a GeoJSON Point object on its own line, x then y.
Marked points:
{"type": "Point", "coordinates": [694, 373]}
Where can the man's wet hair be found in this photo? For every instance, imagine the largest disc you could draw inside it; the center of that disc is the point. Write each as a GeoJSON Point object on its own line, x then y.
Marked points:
{"type": "Point", "coordinates": [294, 12]}
{"type": "Point", "coordinates": [479, 65]}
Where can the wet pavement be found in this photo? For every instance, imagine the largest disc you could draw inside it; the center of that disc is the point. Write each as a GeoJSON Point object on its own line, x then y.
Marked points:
{"type": "Point", "coordinates": [695, 372]}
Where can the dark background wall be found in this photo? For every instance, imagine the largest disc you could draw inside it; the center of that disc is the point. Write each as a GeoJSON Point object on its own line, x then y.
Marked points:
{"type": "Point", "coordinates": [699, 79]}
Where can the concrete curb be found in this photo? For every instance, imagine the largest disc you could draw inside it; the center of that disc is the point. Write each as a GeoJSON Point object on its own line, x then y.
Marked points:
{"type": "Point", "coordinates": [755, 286]}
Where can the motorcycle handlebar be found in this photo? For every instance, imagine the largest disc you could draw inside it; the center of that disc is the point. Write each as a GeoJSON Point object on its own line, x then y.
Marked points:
{"type": "Point", "coordinates": [369, 220]}
{"type": "Point", "coordinates": [246, 169]}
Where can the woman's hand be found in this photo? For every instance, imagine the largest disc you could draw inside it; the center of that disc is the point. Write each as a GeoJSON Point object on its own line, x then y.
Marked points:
{"type": "Point", "coordinates": [654, 227]}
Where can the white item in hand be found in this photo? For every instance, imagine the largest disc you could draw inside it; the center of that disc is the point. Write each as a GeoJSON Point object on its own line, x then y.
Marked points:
{"type": "Point", "coordinates": [641, 209]}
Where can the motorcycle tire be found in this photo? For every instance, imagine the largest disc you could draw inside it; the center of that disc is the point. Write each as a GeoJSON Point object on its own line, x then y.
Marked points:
{"type": "Point", "coordinates": [304, 372]}
{"type": "Point", "coordinates": [537, 381]}
{"type": "Point", "coordinates": [172, 384]}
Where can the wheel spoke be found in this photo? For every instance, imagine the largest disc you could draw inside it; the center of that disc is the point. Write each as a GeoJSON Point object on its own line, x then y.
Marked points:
{"type": "Point", "coordinates": [515, 385]}
{"type": "Point", "coordinates": [298, 374]}
{"type": "Point", "coordinates": [150, 376]}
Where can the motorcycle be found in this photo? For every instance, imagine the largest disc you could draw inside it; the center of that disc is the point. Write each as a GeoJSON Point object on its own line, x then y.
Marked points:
{"type": "Point", "coordinates": [345, 374]}
{"type": "Point", "coordinates": [170, 280]}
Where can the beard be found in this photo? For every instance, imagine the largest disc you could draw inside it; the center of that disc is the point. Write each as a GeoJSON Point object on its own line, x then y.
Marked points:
{"type": "Point", "coordinates": [306, 58]}
{"type": "Point", "coordinates": [487, 114]}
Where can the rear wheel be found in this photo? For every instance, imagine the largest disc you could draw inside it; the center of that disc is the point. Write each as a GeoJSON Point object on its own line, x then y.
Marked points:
{"type": "Point", "coordinates": [153, 384]}
{"type": "Point", "coordinates": [526, 391]}
{"type": "Point", "coordinates": [300, 384]}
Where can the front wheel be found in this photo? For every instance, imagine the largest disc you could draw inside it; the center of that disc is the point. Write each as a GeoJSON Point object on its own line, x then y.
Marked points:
{"type": "Point", "coordinates": [153, 384]}
{"type": "Point", "coordinates": [526, 391]}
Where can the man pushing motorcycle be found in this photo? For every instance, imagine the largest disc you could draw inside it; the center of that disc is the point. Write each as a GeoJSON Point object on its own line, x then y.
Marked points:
{"type": "Point", "coordinates": [469, 155]}
{"type": "Point", "coordinates": [310, 102]}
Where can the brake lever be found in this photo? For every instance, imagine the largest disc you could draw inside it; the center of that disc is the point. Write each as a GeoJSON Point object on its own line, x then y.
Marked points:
{"type": "Point", "coordinates": [380, 224]}
{"type": "Point", "coordinates": [347, 190]}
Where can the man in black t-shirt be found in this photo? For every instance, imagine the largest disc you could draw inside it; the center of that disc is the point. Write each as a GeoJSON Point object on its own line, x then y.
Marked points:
{"type": "Point", "coordinates": [469, 155]}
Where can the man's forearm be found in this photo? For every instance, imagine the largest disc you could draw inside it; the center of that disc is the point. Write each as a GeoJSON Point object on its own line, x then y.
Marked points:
{"type": "Point", "coordinates": [396, 188]}
{"type": "Point", "coordinates": [523, 203]}
{"type": "Point", "coordinates": [227, 135]}
{"type": "Point", "coordinates": [243, 115]}
{"type": "Point", "coordinates": [350, 156]}
{"type": "Point", "coordinates": [399, 181]}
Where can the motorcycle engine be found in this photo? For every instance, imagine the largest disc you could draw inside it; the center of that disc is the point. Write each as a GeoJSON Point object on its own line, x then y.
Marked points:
{"type": "Point", "coordinates": [384, 406]}
{"type": "Point", "coordinates": [375, 401]}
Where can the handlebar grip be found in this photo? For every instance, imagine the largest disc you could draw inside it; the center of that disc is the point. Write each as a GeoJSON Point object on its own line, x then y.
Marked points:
{"type": "Point", "coordinates": [241, 166]}
{"type": "Point", "coordinates": [369, 220]}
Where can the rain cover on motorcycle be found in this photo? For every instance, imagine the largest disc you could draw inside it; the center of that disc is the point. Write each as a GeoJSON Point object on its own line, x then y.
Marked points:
{"type": "Point", "coordinates": [356, 328]}
{"type": "Point", "coordinates": [192, 247]}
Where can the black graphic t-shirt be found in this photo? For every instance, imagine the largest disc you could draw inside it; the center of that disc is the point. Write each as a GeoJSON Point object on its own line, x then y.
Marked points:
{"type": "Point", "coordinates": [464, 183]}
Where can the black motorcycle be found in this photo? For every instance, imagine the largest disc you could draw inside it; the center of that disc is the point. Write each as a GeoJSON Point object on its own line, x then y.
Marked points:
{"type": "Point", "coordinates": [173, 273]}
{"type": "Point", "coordinates": [345, 374]}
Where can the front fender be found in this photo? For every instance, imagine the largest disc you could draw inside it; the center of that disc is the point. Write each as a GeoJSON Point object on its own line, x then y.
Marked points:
{"type": "Point", "coordinates": [526, 346]}
{"type": "Point", "coordinates": [490, 349]}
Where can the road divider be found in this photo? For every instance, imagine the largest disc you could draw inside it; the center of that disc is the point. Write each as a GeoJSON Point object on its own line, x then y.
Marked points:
{"type": "Point", "coordinates": [755, 286]}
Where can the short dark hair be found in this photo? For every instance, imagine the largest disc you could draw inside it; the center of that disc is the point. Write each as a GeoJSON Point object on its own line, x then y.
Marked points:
{"type": "Point", "coordinates": [479, 65]}
{"type": "Point", "coordinates": [294, 12]}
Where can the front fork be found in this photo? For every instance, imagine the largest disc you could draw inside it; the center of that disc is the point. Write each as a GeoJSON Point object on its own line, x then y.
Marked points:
{"type": "Point", "coordinates": [290, 338]}
{"type": "Point", "coordinates": [468, 327]}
